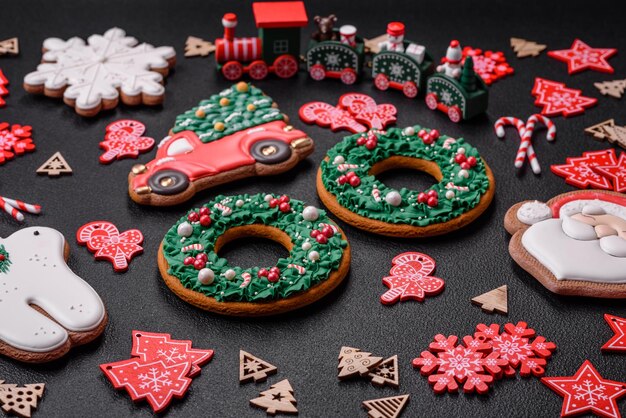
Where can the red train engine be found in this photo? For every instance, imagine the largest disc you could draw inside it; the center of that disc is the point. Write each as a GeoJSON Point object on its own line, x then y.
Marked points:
{"type": "Point", "coordinates": [275, 50]}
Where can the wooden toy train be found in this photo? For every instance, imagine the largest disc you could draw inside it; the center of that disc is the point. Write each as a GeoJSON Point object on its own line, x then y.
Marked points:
{"type": "Point", "coordinates": [452, 87]}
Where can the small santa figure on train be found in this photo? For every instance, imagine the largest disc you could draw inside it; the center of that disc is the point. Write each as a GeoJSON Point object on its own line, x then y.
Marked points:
{"type": "Point", "coordinates": [451, 65]}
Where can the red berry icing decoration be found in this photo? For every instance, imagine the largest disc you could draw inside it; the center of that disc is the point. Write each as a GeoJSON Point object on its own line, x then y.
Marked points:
{"type": "Point", "coordinates": [617, 343]}
{"type": "Point", "coordinates": [460, 158]}
{"type": "Point", "coordinates": [205, 220]}
{"type": "Point", "coordinates": [274, 202]}
{"type": "Point", "coordinates": [587, 392]}
{"type": "Point", "coordinates": [193, 217]}
{"type": "Point", "coordinates": [189, 260]}
{"type": "Point", "coordinates": [107, 243]}
{"type": "Point", "coordinates": [14, 140]}
{"type": "Point", "coordinates": [410, 279]}
{"type": "Point", "coordinates": [263, 273]}
{"type": "Point", "coordinates": [284, 207]}
{"type": "Point", "coordinates": [273, 277]}
{"type": "Point", "coordinates": [557, 99]}
{"type": "Point", "coordinates": [354, 181]}
{"type": "Point", "coordinates": [514, 345]}
{"type": "Point", "coordinates": [472, 364]}
{"type": "Point", "coordinates": [582, 57]}
{"type": "Point", "coordinates": [321, 238]}
{"type": "Point", "coordinates": [204, 211]}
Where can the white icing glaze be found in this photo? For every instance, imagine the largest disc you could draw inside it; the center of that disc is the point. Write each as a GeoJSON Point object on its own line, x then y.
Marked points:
{"type": "Point", "coordinates": [95, 70]}
{"type": "Point", "coordinates": [532, 212]}
{"type": "Point", "coordinates": [593, 210]}
{"type": "Point", "coordinates": [38, 275]}
{"type": "Point", "coordinates": [570, 259]}
{"type": "Point", "coordinates": [577, 206]}
{"type": "Point", "coordinates": [613, 245]}
{"type": "Point", "coordinates": [578, 230]}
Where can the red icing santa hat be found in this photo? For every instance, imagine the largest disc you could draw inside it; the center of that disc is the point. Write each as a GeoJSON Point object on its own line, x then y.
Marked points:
{"type": "Point", "coordinates": [395, 29]}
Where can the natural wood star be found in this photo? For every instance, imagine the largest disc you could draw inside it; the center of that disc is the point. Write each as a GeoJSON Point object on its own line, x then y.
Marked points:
{"type": "Point", "coordinates": [583, 57]}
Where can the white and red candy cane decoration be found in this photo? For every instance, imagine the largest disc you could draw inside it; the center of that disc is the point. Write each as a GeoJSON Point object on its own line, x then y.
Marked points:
{"type": "Point", "coordinates": [192, 247]}
{"type": "Point", "coordinates": [11, 207]}
{"type": "Point", "coordinates": [333, 227]}
{"type": "Point", "coordinates": [223, 208]}
{"type": "Point", "coordinates": [452, 186]}
{"type": "Point", "coordinates": [448, 142]}
{"type": "Point", "coordinates": [301, 270]}
{"type": "Point", "coordinates": [345, 167]}
{"type": "Point", "coordinates": [376, 194]}
{"type": "Point", "coordinates": [246, 279]}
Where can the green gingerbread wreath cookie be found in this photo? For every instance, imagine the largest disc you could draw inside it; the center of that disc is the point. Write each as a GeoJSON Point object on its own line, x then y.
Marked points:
{"type": "Point", "coordinates": [348, 186]}
{"type": "Point", "coordinates": [189, 261]}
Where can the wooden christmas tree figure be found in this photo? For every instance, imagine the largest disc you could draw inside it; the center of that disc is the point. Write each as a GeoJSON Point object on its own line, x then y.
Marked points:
{"type": "Point", "coordinates": [21, 400]}
{"type": "Point", "coordinates": [613, 88]}
{"type": "Point", "coordinates": [9, 47]}
{"type": "Point", "coordinates": [493, 301]}
{"type": "Point", "coordinates": [253, 368]}
{"type": "Point", "coordinates": [54, 166]}
{"type": "Point", "coordinates": [5, 386]}
{"type": "Point", "coordinates": [468, 76]}
{"type": "Point", "coordinates": [278, 398]}
{"type": "Point", "coordinates": [524, 48]}
{"type": "Point", "coordinates": [198, 47]}
{"type": "Point", "coordinates": [386, 407]}
{"type": "Point", "coordinates": [386, 373]}
{"type": "Point", "coordinates": [608, 130]}
{"type": "Point", "coordinates": [353, 361]}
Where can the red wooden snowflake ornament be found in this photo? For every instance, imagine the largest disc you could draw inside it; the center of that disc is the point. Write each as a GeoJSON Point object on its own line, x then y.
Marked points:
{"type": "Point", "coordinates": [581, 57]}
{"type": "Point", "coordinates": [365, 110]}
{"type": "Point", "coordinates": [326, 115]}
{"type": "Point", "coordinates": [514, 345]}
{"type": "Point", "coordinates": [616, 172]}
{"type": "Point", "coordinates": [154, 346]}
{"type": "Point", "coordinates": [14, 140]}
{"type": "Point", "coordinates": [617, 343]}
{"type": "Point", "coordinates": [580, 171]}
{"type": "Point", "coordinates": [472, 364]}
{"type": "Point", "coordinates": [557, 99]}
{"type": "Point", "coordinates": [489, 65]}
{"type": "Point", "coordinates": [410, 279]}
{"type": "Point", "coordinates": [123, 140]}
{"type": "Point", "coordinates": [154, 382]}
{"type": "Point", "coordinates": [105, 241]}
{"type": "Point", "coordinates": [587, 391]}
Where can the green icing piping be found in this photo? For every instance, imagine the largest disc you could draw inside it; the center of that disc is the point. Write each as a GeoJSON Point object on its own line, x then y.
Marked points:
{"type": "Point", "coordinates": [235, 116]}
{"type": "Point", "coordinates": [6, 262]}
{"type": "Point", "coordinates": [394, 142]}
{"type": "Point", "coordinates": [255, 210]}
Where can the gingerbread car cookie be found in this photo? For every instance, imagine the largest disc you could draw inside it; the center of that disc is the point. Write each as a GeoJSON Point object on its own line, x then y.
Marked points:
{"type": "Point", "coordinates": [235, 134]}
{"type": "Point", "coordinates": [574, 244]}
{"type": "Point", "coordinates": [45, 309]}
{"type": "Point", "coordinates": [347, 183]}
{"type": "Point", "coordinates": [189, 261]}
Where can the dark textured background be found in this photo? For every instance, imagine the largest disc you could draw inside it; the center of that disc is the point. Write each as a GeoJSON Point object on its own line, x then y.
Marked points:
{"type": "Point", "coordinates": [304, 344]}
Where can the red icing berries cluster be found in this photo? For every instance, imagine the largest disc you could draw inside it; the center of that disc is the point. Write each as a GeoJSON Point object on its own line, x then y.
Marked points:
{"type": "Point", "coordinates": [428, 137]}
{"type": "Point", "coordinates": [282, 203]}
{"type": "Point", "coordinates": [370, 141]}
{"type": "Point", "coordinates": [322, 235]}
{"type": "Point", "coordinates": [431, 198]}
{"type": "Point", "coordinates": [273, 274]}
{"type": "Point", "coordinates": [350, 178]}
{"type": "Point", "coordinates": [203, 216]}
{"type": "Point", "coordinates": [198, 262]}
{"type": "Point", "coordinates": [465, 162]}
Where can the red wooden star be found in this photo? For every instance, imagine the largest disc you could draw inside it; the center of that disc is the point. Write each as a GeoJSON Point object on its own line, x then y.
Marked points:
{"type": "Point", "coordinates": [587, 391]}
{"type": "Point", "coordinates": [616, 172]}
{"type": "Point", "coordinates": [583, 57]}
{"type": "Point", "coordinates": [580, 172]}
{"type": "Point", "coordinates": [557, 99]}
{"type": "Point", "coordinates": [618, 342]}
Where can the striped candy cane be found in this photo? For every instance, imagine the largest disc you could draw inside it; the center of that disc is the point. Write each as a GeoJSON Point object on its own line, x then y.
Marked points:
{"type": "Point", "coordinates": [301, 270]}
{"type": "Point", "coordinates": [192, 247]}
{"type": "Point", "coordinates": [16, 214]}
{"type": "Point", "coordinates": [527, 142]}
{"type": "Point", "coordinates": [345, 167]}
{"type": "Point", "coordinates": [525, 147]}
{"type": "Point", "coordinates": [333, 227]}
{"type": "Point", "coordinates": [453, 186]}
{"type": "Point", "coordinates": [246, 279]}
{"type": "Point", "coordinates": [538, 117]}
{"type": "Point", "coordinates": [448, 142]}
{"type": "Point", "coordinates": [225, 209]}
{"type": "Point", "coordinates": [376, 194]}
{"type": "Point", "coordinates": [18, 204]}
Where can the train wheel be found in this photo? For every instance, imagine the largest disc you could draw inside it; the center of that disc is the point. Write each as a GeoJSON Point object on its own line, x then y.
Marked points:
{"type": "Point", "coordinates": [409, 89]}
{"type": "Point", "coordinates": [232, 70]}
{"type": "Point", "coordinates": [286, 66]}
{"type": "Point", "coordinates": [431, 101]}
{"type": "Point", "coordinates": [381, 82]}
{"type": "Point", "coordinates": [454, 113]}
{"type": "Point", "coordinates": [317, 72]}
{"type": "Point", "coordinates": [258, 70]}
{"type": "Point", "coordinates": [348, 76]}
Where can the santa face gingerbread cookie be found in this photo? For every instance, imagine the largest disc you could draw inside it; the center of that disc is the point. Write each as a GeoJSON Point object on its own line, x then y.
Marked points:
{"type": "Point", "coordinates": [235, 134]}
{"type": "Point", "coordinates": [45, 309]}
{"type": "Point", "coordinates": [189, 261]}
{"type": "Point", "coordinates": [575, 244]}
{"type": "Point", "coordinates": [348, 186]}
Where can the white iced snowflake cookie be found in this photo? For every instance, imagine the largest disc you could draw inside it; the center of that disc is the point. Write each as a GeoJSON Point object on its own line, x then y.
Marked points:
{"type": "Point", "coordinates": [90, 76]}
{"type": "Point", "coordinates": [34, 278]}
{"type": "Point", "coordinates": [533, 212]}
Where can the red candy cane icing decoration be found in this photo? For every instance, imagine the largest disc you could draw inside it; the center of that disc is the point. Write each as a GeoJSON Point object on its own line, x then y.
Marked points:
{"type": "Point", "coordinates": [105, 241]}
{"type": "Point", "coordinates": [410, 279]}
{"type": "Point", "coordinates": [448, 142]}
{"type": "Point", "coordinates": [453, 186]}
{"type": "Point", "coordinates": [123, 139]}
{"type": "Point", "coordinates": [225, 209]}
{"type": "Point", "coordinates": [299, 269]}
{"type": "Point", "coordinates": [345, 167]}
{"type": "Point", "coordinates": [246, 279]}
{"type": "Point", "coordinates": [192, 247]}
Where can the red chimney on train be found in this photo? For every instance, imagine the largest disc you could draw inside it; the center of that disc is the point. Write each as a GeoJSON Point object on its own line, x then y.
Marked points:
{"type": "Point", "coordinates": [229, 21]}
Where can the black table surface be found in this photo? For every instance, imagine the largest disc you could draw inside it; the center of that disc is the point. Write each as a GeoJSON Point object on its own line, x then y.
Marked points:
{"type": "Point", "coordinates": [305, 344]}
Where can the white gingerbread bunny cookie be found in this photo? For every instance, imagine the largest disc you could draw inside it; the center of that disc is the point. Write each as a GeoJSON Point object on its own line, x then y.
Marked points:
{"type": "Point", "coordinates": [45, 308]}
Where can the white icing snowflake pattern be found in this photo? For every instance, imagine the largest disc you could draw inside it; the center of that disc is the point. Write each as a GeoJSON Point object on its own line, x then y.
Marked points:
{"type": "Point", "coordinates": [332, 59]}
{"type": "Point", "coordinates": [154, 380]}
{"type": "Point", "coordinates": [396, 70]}
{"type": "Point", "coordinates": [96, 70]}
{"type": "Point", "coordinates": [590, 393]}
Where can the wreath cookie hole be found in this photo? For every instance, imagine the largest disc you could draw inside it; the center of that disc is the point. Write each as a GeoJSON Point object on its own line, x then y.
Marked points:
{"type": "Point", "coordinates": [397, 163]}
{"type": "Point", "coordinates": [241, 233]}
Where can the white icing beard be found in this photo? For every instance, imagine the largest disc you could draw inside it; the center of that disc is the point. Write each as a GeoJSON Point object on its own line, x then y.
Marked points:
{"type": "Point", "coordinates": [583, 258]}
